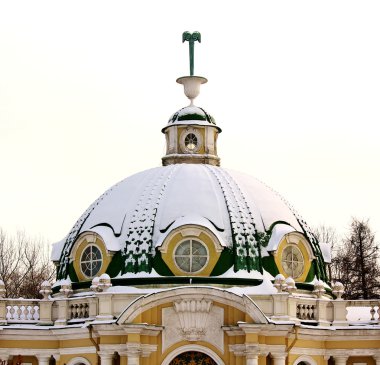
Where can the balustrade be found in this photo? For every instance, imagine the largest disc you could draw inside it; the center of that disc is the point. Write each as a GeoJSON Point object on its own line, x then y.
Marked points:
{"type": "Point", "coordinates": [21, 311]}
{"type": "Point", "coordinates": [306, 311]}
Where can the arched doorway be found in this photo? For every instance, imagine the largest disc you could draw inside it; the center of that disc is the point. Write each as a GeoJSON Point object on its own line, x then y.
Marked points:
{"type": "Point", "coordinates": [192, 358]}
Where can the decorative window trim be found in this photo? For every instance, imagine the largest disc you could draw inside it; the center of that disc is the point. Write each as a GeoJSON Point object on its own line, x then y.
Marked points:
{"type": "Point", "coordinates": [191, 239]}
{"type": "Point", "coordinates": [291, 247]}
{"type": "Point", "coordinates": [307, 359]}
{"type": "Point", "coordinates": [199, 233]}
{"type": "Point", "coordinates": [81, 259]}
{"type": "Point", "coordinates": [184, 134]}
{"type": "Point", "coordinates": [83, 241]}
{"type": "Point", "coordinates": [298, 240]}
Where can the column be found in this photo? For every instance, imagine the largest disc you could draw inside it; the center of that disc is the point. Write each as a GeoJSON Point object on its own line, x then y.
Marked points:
{"type": "Point", "coordinates": [279, 359]}
{"type": "Point", "coordinates": [251, 359]}
{"type": "Point", "coordinates": [340, 359]}
{"type": "Point", "coordinates": [105, 357]}
{"type": "Point", "coordinates": [133, 357]}
{"type": "Point", "coordinates": [43, 359]}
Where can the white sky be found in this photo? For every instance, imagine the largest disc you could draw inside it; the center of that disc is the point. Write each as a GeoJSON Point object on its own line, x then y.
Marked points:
{"type": "Point", "coordinates": [86, 86]}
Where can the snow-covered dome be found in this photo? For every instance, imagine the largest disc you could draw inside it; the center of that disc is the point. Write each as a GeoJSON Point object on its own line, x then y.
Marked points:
{"type": "Point", "coordinates": [135, 217]}
{"type": "Point", "coordinates": [189, 221]}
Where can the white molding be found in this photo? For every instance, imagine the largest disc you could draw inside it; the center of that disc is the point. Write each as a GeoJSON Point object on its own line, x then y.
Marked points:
{"type": "Point", "coordinates": [143, 303]}
{"type": "Point", "coordinates": [303, 351]}
{"type": "Point", "coordinates": [309, 360]}
{"type": "Point", "coordinates": [77, 360]}
{"type": "Point", "coordinates": [77, 350]}
{"type": "Point", "coordinates": [194, 347]}
{"type": "Point", "coordinates": [15, 351]}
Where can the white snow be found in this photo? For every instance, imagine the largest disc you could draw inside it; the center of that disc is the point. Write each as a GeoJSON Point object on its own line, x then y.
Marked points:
{"type": "Point", "coordinates": [112, 243]}
{"type": "Point", "coordinates": [230, 273]}
{"type": "Point", "coordinates": [265, 204]}
{"type": "Point", "coordinates": [141, 274]}
{"type": "Point", "coordinates": [192, 220]}
{"type": "Point", "coordinates": [56, 250]}
{"type": "Point", "coordinates": [278, 232]}
{"type": "Point", "coordinates": [360, 314]}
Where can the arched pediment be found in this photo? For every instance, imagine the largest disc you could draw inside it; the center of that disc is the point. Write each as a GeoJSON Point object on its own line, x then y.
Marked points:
{"type": "Point", "coordinates": [196, 298]}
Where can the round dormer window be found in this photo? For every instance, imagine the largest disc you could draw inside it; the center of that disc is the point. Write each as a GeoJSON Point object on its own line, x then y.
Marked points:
{"type": "Point", "coordinates": [293, 261]}
{"type": "Point", "coordinates": [191, 256]}
{"type": "Point", "coordinates": [91, 261]}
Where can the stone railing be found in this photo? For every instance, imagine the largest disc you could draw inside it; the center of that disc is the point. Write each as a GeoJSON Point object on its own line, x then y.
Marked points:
{"type": "Point", "coordinates": [73, 310]}
{"type": "Point", "coordinates": [22, 311]}
{"type": "Point", "coordinates": [359, 311]}
{"type": "Point", "coordinates": [101, 304]}
{"type": "Point", "coordinates": [306, 310]}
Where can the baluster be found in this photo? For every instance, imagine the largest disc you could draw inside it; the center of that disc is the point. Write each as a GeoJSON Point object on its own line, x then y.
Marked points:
{"type": "Point", "coordinates": [71, 311]}
{"type": "Point", "coordinates": [31, 312]}
{"type": "Point", "coordinates": [12, 312]}
{"type": "Point", "coordinates": [372, 311]}
{"type": "Point", "coordinates": [312, 315]}
{"type": "Point", "coordinates": [302, 311]}
{"type": "Point", "coordinates": [26, 313]}
{"type": "Point", "coordinates": [86, 314]}
{"type": "Point", "coordinates": [81, 311]}
{"type": "Point", "coordinates": [19, 312]}
{"type": "Point", "coordinates": [8, 315]}
{"type": "Point", "coordinates": [36, 313]}
{"type": "Point", "coordinates": [77, 309]}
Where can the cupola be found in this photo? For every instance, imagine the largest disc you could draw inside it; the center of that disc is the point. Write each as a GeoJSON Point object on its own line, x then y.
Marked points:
{"type": "Point", "coordinates": [191, 132]}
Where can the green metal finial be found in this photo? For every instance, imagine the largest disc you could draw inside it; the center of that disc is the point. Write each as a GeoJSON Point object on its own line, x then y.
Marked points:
{"type": "Point", "coordinates": [191, 38]}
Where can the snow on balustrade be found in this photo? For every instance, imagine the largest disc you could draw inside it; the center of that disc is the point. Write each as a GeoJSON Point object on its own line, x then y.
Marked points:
{"type": "Point", "coordinates": [363, 311]}
{"type": "Point", "coordinates": [22, 311]}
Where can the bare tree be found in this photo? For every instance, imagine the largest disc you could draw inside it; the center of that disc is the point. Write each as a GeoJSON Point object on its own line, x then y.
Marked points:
{"type": "Point", "coordinates": [24, 264]}
{"type": "Point", "coordinates": [329, 235]}
{"type": "Point", "coordinates": [359, 262]}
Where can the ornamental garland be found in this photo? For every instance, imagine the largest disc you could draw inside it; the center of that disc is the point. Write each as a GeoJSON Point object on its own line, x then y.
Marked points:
{"type": "Point", "coordinates": [139, 251]}
{"type": "Point", "coordinates": [245, 247]}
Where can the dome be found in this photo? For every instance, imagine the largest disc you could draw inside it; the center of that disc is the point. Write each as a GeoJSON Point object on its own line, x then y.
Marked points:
{"type": "Point", "coordinates": [190, 221]}
{"type": "Point", "coordinates": [191, 115]}
{"type": "Point", "coordinates": [245, 219]}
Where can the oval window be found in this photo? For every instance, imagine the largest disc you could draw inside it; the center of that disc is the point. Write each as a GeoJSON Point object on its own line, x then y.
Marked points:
{"type": "Point", "coordinates": [91, 261]}
{"type": "Point", "coordinates": [191, 256]}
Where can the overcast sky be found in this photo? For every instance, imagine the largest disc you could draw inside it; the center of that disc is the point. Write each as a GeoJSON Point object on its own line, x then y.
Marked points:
{"type": "Point", "coordinates": [86, 86]}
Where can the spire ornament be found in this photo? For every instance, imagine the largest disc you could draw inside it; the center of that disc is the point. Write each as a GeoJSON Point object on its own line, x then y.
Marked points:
{"type": "Point", "coordinates": [191, 38]}
{"type": "Point", "coordinates": [191, 83]}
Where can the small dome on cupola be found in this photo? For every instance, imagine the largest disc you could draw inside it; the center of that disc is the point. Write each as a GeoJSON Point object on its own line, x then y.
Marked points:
{"type": "Point", "coordinates": [191, 115]}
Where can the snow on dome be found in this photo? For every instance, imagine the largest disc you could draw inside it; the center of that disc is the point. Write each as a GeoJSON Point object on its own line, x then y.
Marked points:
{"type": "Point", "coordinates": [191, 115]}
{"type": "Point", "coordinates": [135, 215]}
{"type": "Point", "coordinates": [278, 232]}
